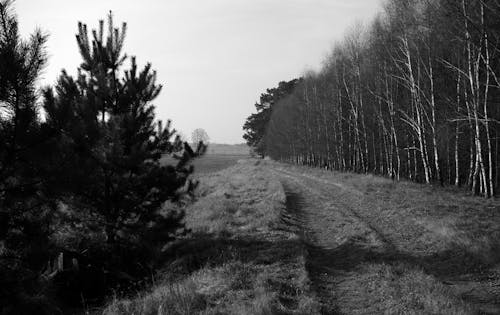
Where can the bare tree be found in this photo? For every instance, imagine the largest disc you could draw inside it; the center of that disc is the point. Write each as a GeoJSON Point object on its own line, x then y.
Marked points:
{"type": "Point", "coordinates": [411, 97]}
{"type": "Point", "coordinates": [199, 135]}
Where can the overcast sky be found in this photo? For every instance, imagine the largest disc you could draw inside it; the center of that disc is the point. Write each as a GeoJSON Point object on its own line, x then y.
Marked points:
{"type": "Point", "coordinates": [214, 57]}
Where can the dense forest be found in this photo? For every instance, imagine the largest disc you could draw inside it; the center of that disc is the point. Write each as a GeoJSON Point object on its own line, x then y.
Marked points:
{"type": "Point", "coordinates": [82, 189]}
{"type": "Point", "coordinates": [412, 95]}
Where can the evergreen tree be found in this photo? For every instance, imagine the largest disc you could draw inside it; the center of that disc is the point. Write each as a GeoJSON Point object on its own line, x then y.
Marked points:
{"type": "Point", "coordinates": [21, 63]}
{"type": "Point", "coordinates": [256, 124]}
{"type": "Point", "coordinates": [24, 199]}
{"type": "Point", "coordinates": [110, 143]}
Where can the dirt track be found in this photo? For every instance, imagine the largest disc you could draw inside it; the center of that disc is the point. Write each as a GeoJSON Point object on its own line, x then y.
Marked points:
{"type": "Point", "coordinates": [358, 252]}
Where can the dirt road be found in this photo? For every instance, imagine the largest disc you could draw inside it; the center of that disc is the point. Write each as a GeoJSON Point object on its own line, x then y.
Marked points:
{"type": "Point", "coordinates": [373, 250]}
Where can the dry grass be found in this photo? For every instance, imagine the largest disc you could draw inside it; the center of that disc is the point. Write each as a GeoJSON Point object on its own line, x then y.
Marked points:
{"type": "Point", "coordinates": [375, 247]}
{"type": "Point", "coordinates": [403, 248]}
{"type": "Point", "coordinates": [397, 289]}
{"type": "Point", "coordinates": [241, 199]}
{"type": "Point", "coordinates": [239, 259]}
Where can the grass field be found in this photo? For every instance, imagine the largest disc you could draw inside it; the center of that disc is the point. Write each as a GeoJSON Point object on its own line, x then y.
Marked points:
{"type": "Point", "coordinates": [215, 162]}
{"type": "Point", "coordinates": [269, 238]}
{"type": "Point", "coordinates": [384, 247]}
{"type": "Point", "coordinates": [240, 257]}
{"type": "Point", "coordinates": [210, 163]}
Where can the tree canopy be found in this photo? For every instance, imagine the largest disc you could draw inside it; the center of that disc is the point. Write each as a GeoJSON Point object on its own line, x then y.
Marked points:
{"type": "Point", "coordinates": [412, 95]}
{"type": "Point", "coordinates": [87, 179]}
{"type": "Point", "coordinates": [256, 124]}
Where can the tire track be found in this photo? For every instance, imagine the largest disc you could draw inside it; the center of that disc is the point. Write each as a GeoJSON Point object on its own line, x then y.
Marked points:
{"type": "Point", "coordinates": [335, 236]}
{"type": "Point", "coordinates": [345, 231]}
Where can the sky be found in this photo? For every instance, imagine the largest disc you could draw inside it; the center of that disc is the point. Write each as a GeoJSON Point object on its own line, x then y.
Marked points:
{"type": "Point", "coordinates": [213, 57]}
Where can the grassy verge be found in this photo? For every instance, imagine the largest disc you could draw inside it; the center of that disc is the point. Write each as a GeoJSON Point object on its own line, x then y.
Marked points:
{"type": "Point", "coordinates": [440, 253]}
{"type": "Point", "coordinates": [422, 219]}
{"type": "Point", "coordinates": [240, 258]}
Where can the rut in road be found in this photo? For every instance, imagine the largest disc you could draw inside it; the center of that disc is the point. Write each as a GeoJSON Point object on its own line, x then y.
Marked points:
{"type": "Point", "coordinates": [336, 239]}
{"type": "Point", "coordinates": [347, 239]}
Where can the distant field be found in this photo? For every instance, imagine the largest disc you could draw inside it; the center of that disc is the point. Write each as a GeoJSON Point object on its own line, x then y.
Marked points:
{"type": "Point", "coordinates": [218, 157]}
{"type": "Point", "coordinates": [212, 162]}
{"type": "Point", "coordinates": [216, 162]}
{"type": "Point", "coordinates": [230, 149]}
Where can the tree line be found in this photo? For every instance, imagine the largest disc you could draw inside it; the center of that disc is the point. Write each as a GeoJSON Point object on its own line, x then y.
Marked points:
{"type": "Point", "coordinates": [413, 95]}
{"type": "Point", "coordinates": [84, 200]}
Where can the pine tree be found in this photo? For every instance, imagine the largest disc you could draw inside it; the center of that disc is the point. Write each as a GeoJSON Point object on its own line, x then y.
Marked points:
{"type": "Point", "coordinates": [110, 143]}
{"type": "Point", "coordinates": [21, 62]}
{"type": "Point", "coordinates": [21, 137]}
{"type": "Point", "coordinates": [256, 124]}
{"type": "Point", "coordinates": [24, 199]}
